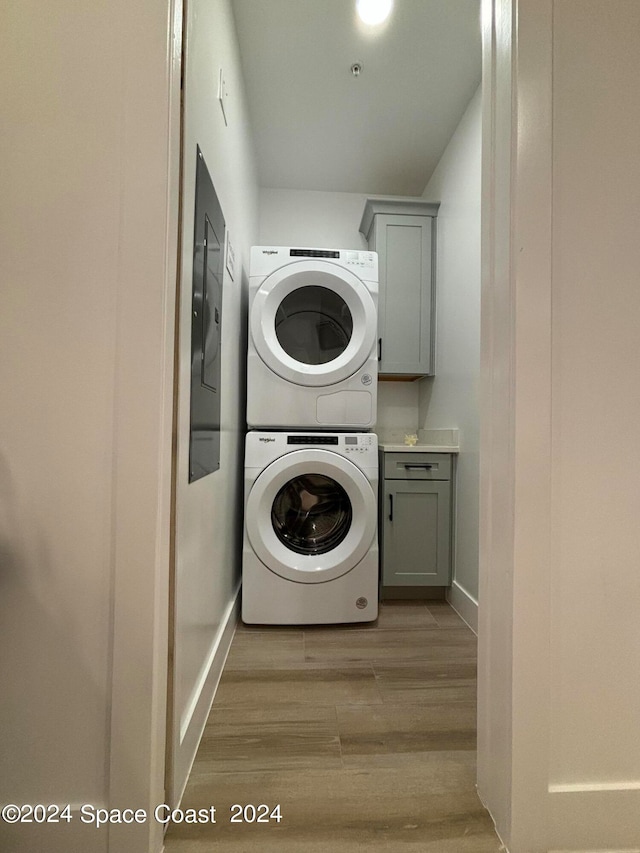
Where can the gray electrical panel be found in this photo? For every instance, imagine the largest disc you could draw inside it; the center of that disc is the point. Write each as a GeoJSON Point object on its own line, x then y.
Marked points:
{"type": "Point", "coordinates": [206, 325]}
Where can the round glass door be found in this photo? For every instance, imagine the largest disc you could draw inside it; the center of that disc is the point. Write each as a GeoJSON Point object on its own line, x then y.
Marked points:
{"type": "Point", "coordinates": [313, 325]}
{"type": "Point", "coordinates": [311, 514]}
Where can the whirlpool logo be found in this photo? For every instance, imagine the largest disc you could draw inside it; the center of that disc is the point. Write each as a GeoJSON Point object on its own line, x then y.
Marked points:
{"type": "Point", "coordinates": [266, 439]}
{"type": "Point", "coordinates": [269, 251]}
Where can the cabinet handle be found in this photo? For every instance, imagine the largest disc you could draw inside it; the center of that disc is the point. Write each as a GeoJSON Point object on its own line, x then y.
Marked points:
{"type": "Point", "coordinates": [425, 467]}
{"type": "Point", "coordinates": [379, 349]}
{"type": "Point", "coordinates": [390, 507]}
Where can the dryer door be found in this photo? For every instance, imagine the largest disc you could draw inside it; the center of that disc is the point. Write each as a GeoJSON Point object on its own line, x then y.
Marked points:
{"type": "Point", "coordinates": [313, 323]}
{"type": "Point", "coordinates": [311, 516]}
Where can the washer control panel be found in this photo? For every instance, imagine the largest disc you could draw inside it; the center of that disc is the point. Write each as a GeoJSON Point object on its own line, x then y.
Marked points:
{"type": "Point", "coordinates": [312, 439]}
{"type": "Point", "coordinates": [263, 447]}
{"type": "Point", "coordinates": [359, 444]}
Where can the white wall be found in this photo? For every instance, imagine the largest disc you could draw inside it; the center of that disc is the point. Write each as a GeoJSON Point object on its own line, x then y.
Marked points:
{"type": "Point", "coordinates": [559, 756]}
{"type": "Point", "coordinates": [450, 400]}
{"type": "Point", "coordinates": [331, 220]}
{"type": "Point", "coordinates": [88, 207]}
{"type": "Point", "coordinates": [397, 407]}
{"type": "Point", "coordinates": [209, 511]}
{"type": "Point", "coordinates": [321, 220]}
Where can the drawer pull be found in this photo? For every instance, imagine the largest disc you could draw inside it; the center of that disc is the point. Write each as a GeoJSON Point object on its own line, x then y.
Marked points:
{"type": "Point", "coordinates": [426, 466]}
{"type": "Point", "coordinates": [390, 507]}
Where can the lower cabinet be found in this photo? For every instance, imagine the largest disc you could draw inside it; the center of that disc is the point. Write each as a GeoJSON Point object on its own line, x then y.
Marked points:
{"type": "Point", "coordinates": [415, 519]}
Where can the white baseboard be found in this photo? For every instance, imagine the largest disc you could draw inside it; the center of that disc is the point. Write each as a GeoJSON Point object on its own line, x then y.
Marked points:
{"type": "Point", "coordinates": [196, 719]}
{"type": "Point", "coordinates": [464, 604]}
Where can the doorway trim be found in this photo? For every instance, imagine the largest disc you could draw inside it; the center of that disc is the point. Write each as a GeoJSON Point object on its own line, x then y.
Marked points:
{"type": "Point", "coordinates": [515, 448]}
{"type": "Point", "coordinates": [143, 410]}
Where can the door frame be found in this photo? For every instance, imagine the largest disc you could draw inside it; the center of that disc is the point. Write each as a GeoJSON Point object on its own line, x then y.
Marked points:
{"type": "Point", "coordinates": [515, 400]}
{"type": "Point", "coordinates": [516, 287]}
{"type": "Point", "coordinates": [142, 508]}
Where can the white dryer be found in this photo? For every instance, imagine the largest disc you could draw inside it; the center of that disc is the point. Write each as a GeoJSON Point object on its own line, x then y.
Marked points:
{"type": "Point", "coordinates": [310, 551]}
{"type": "Point", "coordinates": [312, 357]}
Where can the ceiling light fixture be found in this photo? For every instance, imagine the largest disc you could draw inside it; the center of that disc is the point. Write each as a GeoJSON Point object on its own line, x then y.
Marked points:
{"type": "Point", "coordinates": [374, 12]}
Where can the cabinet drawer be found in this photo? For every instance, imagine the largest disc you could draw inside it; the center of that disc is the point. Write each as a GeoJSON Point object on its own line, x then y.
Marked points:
{"type": "Point", "coordinates": [417, 466]}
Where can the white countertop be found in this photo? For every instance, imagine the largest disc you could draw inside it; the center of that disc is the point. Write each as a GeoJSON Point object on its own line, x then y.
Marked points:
{"type": "Point", "coordinates": [429, 440]}
{"type": "Point", "coordinates": [418, 448]}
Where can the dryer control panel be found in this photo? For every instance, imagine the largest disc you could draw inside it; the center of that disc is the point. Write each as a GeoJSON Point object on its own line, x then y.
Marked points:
{"type": "Point", "coordinates": [359, 260]}
{"type": "Point", "coordinates": [267, 259]}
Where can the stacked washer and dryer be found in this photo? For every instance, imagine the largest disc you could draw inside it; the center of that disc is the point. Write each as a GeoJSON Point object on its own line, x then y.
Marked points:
{"type": "Point", "coordinates": [310, 549]}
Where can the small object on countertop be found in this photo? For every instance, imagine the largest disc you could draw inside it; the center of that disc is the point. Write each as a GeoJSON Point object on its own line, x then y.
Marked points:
{"type": "Point", "coordinates": [411, 440]}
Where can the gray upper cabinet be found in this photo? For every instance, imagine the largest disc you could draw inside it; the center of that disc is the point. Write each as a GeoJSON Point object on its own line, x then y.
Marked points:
{"type": "Point", "coordinates": [403, 233]}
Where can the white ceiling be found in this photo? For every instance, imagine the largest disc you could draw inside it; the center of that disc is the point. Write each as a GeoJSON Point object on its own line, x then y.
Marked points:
{"type": "Point", "coordinates": [317, 127]}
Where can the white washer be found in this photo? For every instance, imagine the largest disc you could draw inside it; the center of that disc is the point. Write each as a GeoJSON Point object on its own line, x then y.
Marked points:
{"type": "Point", "coordinates": [310, 551]}
{"type": "Point", "coordinates": [312, 358]}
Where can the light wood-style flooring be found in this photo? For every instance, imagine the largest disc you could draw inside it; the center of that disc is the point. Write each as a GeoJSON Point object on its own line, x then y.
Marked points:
{"type": "Point", "coordinates": [365, 736]}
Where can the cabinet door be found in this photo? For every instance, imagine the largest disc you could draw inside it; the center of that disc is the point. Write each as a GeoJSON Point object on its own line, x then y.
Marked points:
{"type": "Point", "coordinates": [416, 533]}
{"type": "Point", "coordinates": [404, 246]}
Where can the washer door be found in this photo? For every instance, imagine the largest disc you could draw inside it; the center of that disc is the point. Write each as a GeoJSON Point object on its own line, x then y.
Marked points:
{"type": "Point", "coordinates": [313, 323]}
{"type": "Point", "coordinates": [311, 516]}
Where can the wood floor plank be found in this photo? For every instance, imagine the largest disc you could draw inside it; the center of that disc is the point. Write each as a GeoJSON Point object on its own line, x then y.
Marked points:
{"type": "Point", "coordinates": [480, 841]}
{"type": "Point", "coordinates": [476, 840]}
{"type": "Point", "coordinates": [402, 760]}
{"type": "Point", "coordinates": [427, 682]}
{"type": "Point", "coordinates": [369, 807]}
{"type": "Point", "coordinates": [273, 738]}
{"type": "Point", "coordinates": [259, 649]}
{"type": "Point", "coordinates": [316, 685]}
{"type": "Point", "coordinates": [333, 646]}
{"type": "Point", "coordinates": [380, 729]}
{"type": "Point", "coordinates": [445, 616]}
{"type": "Point", "coordinates": [397, 614]}
{"type": "Point", "coordinates": [405, 615]}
